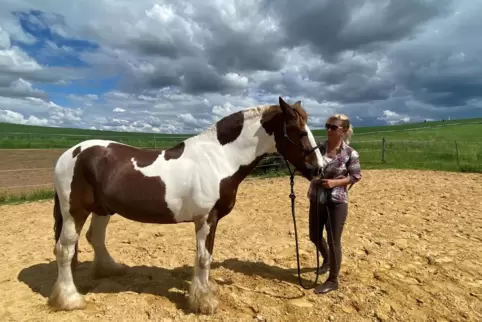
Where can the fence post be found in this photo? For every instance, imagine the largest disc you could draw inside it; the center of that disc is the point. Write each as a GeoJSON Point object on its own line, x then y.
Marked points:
{"type": "Point", "coordinates": [383, 149]}
{"type": "Point", "coordinates": [155, 142]}
{"type": "Point", "coordinates": [457, 154]}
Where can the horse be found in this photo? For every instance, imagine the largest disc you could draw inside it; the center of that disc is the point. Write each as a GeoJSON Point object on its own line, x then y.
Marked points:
{"type": "Point", "coordinates": [194, 181]}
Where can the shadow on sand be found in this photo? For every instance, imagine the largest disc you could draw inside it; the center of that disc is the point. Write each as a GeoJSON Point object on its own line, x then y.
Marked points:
{"type": "Point", "coordinates": [150, 279]}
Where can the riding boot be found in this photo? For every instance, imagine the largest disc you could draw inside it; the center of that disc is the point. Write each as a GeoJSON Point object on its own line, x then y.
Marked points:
{"type": "Point", "coordinates": [331, 284]}
{"type": "Point", "coordinates": [328, 286]}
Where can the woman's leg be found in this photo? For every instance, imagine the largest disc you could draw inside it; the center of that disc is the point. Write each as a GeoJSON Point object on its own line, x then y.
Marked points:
{"type": "Point", "coordinates": [317, 220]}
{"type": "Point", "coordinates": [334, 226]}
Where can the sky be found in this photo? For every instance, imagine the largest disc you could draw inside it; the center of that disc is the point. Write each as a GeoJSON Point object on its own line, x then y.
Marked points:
{"type": "Point", "coordinates": [178, 66]}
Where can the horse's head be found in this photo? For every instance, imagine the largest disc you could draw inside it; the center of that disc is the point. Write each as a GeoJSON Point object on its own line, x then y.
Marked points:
{"type": "Point", "coordinates": [294, 140]}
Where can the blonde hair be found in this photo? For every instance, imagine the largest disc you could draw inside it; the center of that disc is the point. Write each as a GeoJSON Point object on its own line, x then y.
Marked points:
{"type": "Point", "coordinates": [346, 124]}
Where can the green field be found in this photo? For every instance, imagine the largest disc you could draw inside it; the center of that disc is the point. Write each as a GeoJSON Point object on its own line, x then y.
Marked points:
{"type": "Point", "coordinates": [451, 145]}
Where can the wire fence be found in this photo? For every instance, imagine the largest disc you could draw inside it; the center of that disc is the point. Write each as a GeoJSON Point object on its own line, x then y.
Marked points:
{"type": "Point", "coordinates": [27, 169]}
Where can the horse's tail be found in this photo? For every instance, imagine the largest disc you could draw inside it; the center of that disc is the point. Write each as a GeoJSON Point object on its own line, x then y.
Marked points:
{"type": "Point", "coordinates": [58, 221]}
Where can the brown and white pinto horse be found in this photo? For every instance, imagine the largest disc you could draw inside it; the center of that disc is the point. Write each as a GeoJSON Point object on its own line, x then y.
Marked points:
{"type": "Point", "coordinates": [194, 181]}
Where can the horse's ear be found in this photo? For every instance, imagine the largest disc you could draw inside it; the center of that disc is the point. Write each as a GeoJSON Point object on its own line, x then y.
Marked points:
{"type": "Point", "coordinates": [297, 104]}
{"type": "Point", "coordinates": [285, 107]}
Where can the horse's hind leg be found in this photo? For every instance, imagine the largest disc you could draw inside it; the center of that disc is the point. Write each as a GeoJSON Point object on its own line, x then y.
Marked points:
{"type": "Point", "coordinates": [69, 221]}
{"type": "Point", "coordinates": [103, 264]}
{"type": "Point", "coordinates": [201, 295]}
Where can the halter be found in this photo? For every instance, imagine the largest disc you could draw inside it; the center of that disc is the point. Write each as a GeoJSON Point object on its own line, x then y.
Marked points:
{"type": "Point", "coordinates": [304, 151]}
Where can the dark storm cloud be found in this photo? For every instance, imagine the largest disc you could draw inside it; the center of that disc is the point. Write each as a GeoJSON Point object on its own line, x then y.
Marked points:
{"type": "Point", "coordinates": [193, 76]}
{"type": "Point", "coordinates": [441, 71]}
{"type": "Point", "coordinates": [240, 52]}
{"type": "Point", "coordinates": [198, 77]}
{"type": "Point", "coordinates": [333, 26]}
{"type": "Point", "coordinates": [200, 68]}
{"type": "Point", "coordinates": [445, 80]}
{"type": "Point", "coordinates": [152, 46]}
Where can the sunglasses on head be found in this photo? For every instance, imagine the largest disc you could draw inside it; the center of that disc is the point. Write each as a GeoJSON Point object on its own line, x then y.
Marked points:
{"type": "Point", "coordinates": [332, 127]}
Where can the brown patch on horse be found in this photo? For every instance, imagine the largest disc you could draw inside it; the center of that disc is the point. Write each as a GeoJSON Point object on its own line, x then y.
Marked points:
{"type": "Point", "coordinates": [143, 157]}
{"type": "Point", "coordinates": [174, 152]}
{"type": "Point", "coordinates": [268, 119]}
{"type": "Point", "coordinates": [228, 188]}
{"type": "Point", "coordinates": [76, 151]}
{"type": "Point", "coordinates": [229, 128]}
{"type": "Point", "coordinates": [105, 182]}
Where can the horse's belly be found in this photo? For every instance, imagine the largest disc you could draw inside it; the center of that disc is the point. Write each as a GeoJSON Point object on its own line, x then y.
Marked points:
{"type": "Point", "coordinates": [140, 205]}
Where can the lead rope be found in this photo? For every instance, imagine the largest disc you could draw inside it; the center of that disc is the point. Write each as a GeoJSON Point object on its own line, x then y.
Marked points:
{"type": "Point", "coordinates": [293, 197]}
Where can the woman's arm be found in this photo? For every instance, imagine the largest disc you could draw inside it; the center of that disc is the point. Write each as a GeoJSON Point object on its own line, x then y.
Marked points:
{"type": "Point", "coordinates": [353, 167]}
{"type": "Point", "coordinates": [341, 182]}
{"type": "Point", "coordinates": [354, 173]}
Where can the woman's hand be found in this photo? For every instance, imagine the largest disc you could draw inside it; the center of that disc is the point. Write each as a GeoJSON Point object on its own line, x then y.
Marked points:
{"type": "Point", "coordinates": [329, 183]}
{"type": "Point", "coordinates": [332, 183]}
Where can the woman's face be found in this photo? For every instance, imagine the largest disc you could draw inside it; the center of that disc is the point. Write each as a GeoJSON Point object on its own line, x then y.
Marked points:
{"type": "Point", "coordinates": [334, 129]}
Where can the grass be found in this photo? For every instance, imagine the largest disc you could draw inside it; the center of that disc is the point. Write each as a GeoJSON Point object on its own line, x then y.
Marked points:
{"type": "Point", "coordinates": [7, 198]}
{"type": "Point", "coordinates": [445, 146]}
{"type": "Point", "coordinates": [18, 136]}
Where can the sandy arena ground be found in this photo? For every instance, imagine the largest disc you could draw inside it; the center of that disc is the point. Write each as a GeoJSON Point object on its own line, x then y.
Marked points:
{"type": "Point", "coordinates": [412, 252]}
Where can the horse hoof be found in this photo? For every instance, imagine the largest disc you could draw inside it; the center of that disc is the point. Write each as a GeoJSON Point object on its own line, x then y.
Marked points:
{"type": "Point", "coordinates": [203, 302]}
{"type": "Point", "coordinates": [101, 270]}
{"type": "Point", "coordinates": [206, 305]}
{"type": "Point", "coordinates": [65, 300]}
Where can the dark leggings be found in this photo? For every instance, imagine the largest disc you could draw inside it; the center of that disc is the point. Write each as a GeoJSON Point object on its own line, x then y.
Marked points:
{"type": "Point", "coordinates": [333, 222]}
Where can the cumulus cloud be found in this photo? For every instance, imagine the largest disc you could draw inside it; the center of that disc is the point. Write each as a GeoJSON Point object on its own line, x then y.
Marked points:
{"type": "Point", "coordinates": [178, 66]}
{"type": "Point", "coordinates": [14, 117]}
{"type": "Point", "coordinates": [393, 118]}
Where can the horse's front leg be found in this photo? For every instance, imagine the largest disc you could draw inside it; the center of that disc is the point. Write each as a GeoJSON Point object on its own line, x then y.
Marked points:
{"type": "Point", "coordinates": [201, 296]}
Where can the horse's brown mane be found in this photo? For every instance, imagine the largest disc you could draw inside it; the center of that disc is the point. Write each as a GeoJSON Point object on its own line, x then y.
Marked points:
{"type": "Point", "coordinates": [302, 116]}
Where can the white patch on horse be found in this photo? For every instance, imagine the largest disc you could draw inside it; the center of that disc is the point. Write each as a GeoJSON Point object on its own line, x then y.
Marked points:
{"type": "Point", "coordinates": [311, 138]}
{"type": "Point", "coordinates": [192, 181]}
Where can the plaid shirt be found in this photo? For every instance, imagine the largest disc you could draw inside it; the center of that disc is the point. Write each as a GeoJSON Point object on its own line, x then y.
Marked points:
{"type": "Point", "coordinates": [346, 163]}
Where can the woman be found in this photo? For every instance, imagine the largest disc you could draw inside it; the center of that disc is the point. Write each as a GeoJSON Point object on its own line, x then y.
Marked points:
{"type": "Point", "coordinates": [342, 167]}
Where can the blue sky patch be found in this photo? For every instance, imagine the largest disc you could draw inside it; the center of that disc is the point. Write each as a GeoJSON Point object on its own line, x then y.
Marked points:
{"type": "Point", "coordinates": [38, 24]}
{"type": "Point", "coordinates": [54, 50]}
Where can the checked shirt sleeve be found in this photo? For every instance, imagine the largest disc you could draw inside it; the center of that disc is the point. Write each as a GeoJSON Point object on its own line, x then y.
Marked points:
{"type": "Point", "coordinates": [353, 167]}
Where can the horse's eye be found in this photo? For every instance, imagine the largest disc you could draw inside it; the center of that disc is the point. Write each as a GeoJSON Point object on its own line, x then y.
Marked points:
{"type": "Point", "coordinates": [302, 134]}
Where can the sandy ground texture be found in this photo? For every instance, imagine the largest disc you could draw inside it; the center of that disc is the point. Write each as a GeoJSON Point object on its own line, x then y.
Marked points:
{"type": "Point", "coordinates": [412, 252]}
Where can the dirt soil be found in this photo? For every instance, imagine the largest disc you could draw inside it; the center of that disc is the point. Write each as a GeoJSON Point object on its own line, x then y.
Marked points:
{"type": "Point", "coordinates": [412, 252]}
